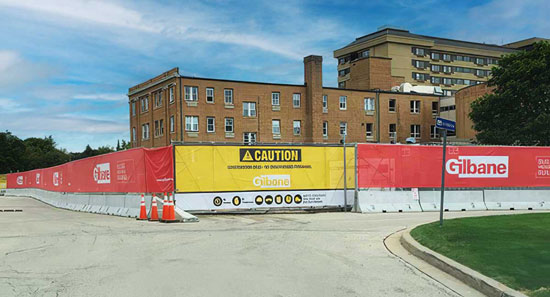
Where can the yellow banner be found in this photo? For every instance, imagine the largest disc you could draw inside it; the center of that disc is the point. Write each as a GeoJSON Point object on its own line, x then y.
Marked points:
{"type": "Point", "coordinates": [3, 181]}
{"type": "Point", "coordinates": [204, 168]}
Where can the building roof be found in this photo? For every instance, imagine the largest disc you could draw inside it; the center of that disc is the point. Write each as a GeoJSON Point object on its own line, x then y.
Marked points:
{"type": "Point", "coordinates": [525, 42]}
{"type": "Point", "coordinates": [437, 40]}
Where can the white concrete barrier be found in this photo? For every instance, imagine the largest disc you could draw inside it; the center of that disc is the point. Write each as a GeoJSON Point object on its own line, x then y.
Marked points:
{"type": "Point", "coordinates": [380, 200]}
{"type": "Point", "coordinates": [454, 200]}
{"type": "Point", "coordinates": [517, 199]}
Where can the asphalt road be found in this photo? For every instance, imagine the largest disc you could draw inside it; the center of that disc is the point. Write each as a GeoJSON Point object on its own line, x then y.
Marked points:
{"type": "Point", "coordinates": [46, 251]}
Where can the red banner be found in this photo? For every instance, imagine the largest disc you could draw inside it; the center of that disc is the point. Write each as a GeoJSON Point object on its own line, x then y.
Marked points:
{"type": "Point", "coordinates": [131, 171]}
{"type": "Point", "coordinates": [412, 166]}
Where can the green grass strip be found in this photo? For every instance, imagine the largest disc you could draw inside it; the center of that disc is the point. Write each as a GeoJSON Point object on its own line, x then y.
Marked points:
{"type": "Point", "coordinates": [512, 249]}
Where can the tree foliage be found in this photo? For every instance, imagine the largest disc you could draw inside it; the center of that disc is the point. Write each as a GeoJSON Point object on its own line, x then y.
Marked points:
{"type": "Point", "coordinates": [32, 153]}
{"type": "Point", "coordinates": [518, 111]}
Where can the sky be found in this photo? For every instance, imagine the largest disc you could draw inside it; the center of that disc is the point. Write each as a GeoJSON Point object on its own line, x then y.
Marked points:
{"type": "Point", "coordinates": [66, 65]}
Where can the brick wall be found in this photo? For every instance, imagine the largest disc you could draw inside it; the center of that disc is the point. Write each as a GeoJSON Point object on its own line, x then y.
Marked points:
{"type": "Point", "coordinates": [464, 99]}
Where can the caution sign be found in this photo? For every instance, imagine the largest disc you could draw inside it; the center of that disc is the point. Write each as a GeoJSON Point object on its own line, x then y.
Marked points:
{"type": "Point", "coordinates": [213, 169]}
{"type": "Point", "coordinates": [270, 155]}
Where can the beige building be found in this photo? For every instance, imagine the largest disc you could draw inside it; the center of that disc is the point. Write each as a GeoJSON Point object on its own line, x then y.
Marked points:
{"type": "Point", "coordinates": [172, 107]}
{"type": "Point", "coordinates": [417, 59]}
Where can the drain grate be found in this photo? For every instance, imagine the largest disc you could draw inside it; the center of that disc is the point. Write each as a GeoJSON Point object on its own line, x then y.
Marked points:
{"type": "Point", "coordinates": [11, 210]}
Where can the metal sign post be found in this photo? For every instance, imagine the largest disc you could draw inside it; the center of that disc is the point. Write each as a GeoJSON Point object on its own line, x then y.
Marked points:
{"type": "Point", "coordinates": [444, 125]}
{"type": "Point", "coordinates": [443, 178]}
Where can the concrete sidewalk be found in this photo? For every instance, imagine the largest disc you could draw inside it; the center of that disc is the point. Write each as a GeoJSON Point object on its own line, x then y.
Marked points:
{"type": "Point", "coordinates": [54, 252]}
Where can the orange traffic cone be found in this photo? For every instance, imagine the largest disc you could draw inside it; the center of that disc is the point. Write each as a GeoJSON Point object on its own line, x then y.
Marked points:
{"type": "Point", "coordinates": [143, 210]}
{"type": "Point", "coordinates": [170, 215]}
{"type": "Point", "coordinates": [154, 210]}
{"type": "Point", "coordinates": [164, 207]}
{"type": "Point", "coordinates": [172, 208]}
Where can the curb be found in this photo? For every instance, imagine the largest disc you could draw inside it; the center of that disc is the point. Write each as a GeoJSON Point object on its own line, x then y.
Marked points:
{"type": "Point", "coordinates": [470, 277]}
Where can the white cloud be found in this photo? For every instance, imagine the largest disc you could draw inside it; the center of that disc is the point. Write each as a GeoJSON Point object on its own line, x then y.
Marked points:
{"type": "Point", "coordinates": [8, 105]}
{"type": "Point", "coordinates": [292, 35]}
{"type": "Point", "coordinates": [16, 71]}
{"type": "Point", "coordinates": [102, 97]}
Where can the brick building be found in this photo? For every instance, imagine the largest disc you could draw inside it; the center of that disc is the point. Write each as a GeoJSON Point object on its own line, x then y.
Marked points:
{"type": "Point", "coordinates": [171, 107]}
{"type": "Point", "coordinates": [418, 59]}
{"type": "Point", "coordinates": [463, 101]}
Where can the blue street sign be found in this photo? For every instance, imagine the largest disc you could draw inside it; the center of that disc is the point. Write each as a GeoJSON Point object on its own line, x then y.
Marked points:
{"type": "Point", "coordinates": [445, 124]}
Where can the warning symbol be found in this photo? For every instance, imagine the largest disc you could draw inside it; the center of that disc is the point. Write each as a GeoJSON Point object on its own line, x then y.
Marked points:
{"type": "Point", "coordinates": [288, 199]}
{"type": "Point", "coordinates": [278, 199]}
{"type": "Point", "coordinates": [247, 156]}
{"type": "Point", "coordinates": [218, 201]}
{"type": "Point", "coordinates": [297, 199]}
{"type": "Point", "coordinates": [269, 199]}
{"type": "Point", "coordinates": [236, 200]}
{"type": "Point", "coordinates": [259, 200]}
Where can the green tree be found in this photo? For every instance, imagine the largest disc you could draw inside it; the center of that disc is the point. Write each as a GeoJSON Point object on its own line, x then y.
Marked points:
{"type": "Point", "coordinates": [42, 152]}
{"type": "Point", "coordinates": [518, 112]}
{"type": "Point", "coordinates": [12, 150]}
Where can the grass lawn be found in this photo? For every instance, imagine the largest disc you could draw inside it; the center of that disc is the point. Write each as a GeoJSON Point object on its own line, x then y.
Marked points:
{"type": "Point", "coordinates": [513, 249]}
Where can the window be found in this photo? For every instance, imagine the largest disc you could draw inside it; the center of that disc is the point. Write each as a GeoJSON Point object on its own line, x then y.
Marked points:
{"type": "Point", "coordinates": [435, 107]}
{"type": "Point", "coordinates": [133, 108]}
{"type": "Point", "coordinates": [447, 81]}
{"type": "Point", "coordinates": [276, 127]}
{"type": "Point", "coordinates": [296, 100]}
{"type": "Point", "coordinates": [343, 72]}
{"type": "Point", "coordinates": [159, 127]}
{"type": "Point", "coordinates": [364, 54]}
{"type": "Point", "coordinates": [420, 76]}
{"type": "Point", "coordinates": [249, 109]}
{"type": "Point", "coordinates": [434, 133]}
{"type": "Point", "coordinates": [275, 98]}
{"type": "Point", "coordinates": [172, 124]}
{"type": "Point", "coordinates": [446, 57]}
{"type": "Point", "coordinates": [393, 130]}
{"type": "Point", "coordinates": [210, 95]}
{"type": "Point", "coordinates": [480, 72]}
{"type": "Point", "coordinates": [436, 68]}
{"type": "Point", "coordinates": [158, 98]}
{"type": "Point", "coordinates": [343, 102]}
{"type": "Point", "coordinates": [415, 131]}
{"type": "Point", "coordinates": [249, 137]}
{"type": "Point", "coordinates": [342, 85]}
{"type": "Point", "coordinates": [228, 125]}
{"type": "Point", "coordinates": [325, 129]}
{"type": "Point", "coordinates": [191, 93]}
{"type": "Point", "coordinates": [192, 123]}
{"type": "Point", "coordinates": [145, 131]}
{"type": "Point", "coordinates": [133, 133]}
{"type": "Point", "coordinates": [228, 96]}
{"type": "Point", "coordinates": [480, 61]}
{"type": "Point", "coordinates": [343, 128]}
{"type": "Point", "coordinates": [419, 51]}
{"type": "Point", "coordinates": [391, 105]}
{"type": "Point", "coordinates": [415, 106]}
{"type": "Point", "coordinates": [435, 56]}
{"type": "Point", "coordinates": [435, 80]}
{"type": "Point", "coordinates": [421, 64]}
{"type": "Point", "coordinates": [447, 69]}
{"type": "Point", "coordinates": [493, 61]}
{"type": "Point", "coordinates": [171, 94]}
{"type": "Point", "coordinates": [210, 124]}
{"type": "Point", "coordinates": [369, 104]}
{"type": "Point", "coordinates": [144, 103]}
{"type": "Point", "coordinates": [296, 127]}
{"type": "Point", "coordinates": [369, 130]}
{"type": "Point", "coordinates": [325, 102]}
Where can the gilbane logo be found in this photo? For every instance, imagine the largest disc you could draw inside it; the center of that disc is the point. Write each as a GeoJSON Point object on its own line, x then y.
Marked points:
{"type": "Point", "coordinates": [102, 173]}
{"type": "Point", "coordinates": [272, 181]}
{"type": "Point", "coordinates": [478, 166]}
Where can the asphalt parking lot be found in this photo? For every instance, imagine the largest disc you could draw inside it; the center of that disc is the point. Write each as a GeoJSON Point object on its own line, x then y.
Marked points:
{"type": "Point", "coordinates": [53, 252]}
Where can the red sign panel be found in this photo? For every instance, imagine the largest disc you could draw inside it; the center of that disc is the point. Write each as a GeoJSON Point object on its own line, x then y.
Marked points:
{"type": "Point", "coordinates": [130, 171]}
{"type": "Point", "coordinates": [411, 166]}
